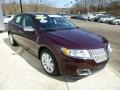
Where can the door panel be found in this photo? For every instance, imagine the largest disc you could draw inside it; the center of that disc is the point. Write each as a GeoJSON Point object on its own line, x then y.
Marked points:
{"type": "Point", "coordinates": [16, 28]}
{"type": "Point", "coordinates": [28, 38]}
{"type": "Point", "coordinates": [24, 38]}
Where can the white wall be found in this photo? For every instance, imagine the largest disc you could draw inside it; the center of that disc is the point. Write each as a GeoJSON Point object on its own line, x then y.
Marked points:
{"type": "Point", "coordinates": [2, 26]}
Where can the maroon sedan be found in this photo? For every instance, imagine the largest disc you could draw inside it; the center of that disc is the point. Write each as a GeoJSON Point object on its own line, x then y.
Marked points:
{"type": "Point", "coordinates": [62, 47]}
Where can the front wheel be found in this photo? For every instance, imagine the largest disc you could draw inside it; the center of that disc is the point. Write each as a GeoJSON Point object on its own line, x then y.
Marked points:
{"type": "Point", "coordinates": [11, 39]}
{"type": "Point", "coordinates": [49, 62]}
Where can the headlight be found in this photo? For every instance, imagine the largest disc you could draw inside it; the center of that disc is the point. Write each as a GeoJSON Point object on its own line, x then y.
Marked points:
{"type": "Point", "coordinates": [109, 48]}
{"type": "Point", "coordinates": [76, 53]}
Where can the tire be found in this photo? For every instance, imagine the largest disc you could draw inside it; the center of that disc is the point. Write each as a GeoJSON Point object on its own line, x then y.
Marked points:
{"type": "Point", "coordinates": [92, 20]}
{"type": "Point", "coordinates": [12, 41]}
{"type": "Point", "coordinates": [49, 64]}
{"type": "Point", "coordinates": [116, 23]}
{"type": "Point", "coordinates": [99, 21]}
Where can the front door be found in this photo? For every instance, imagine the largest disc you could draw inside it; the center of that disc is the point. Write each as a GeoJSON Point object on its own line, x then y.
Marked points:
{"type": "Point", "coordinates": [29, 38]}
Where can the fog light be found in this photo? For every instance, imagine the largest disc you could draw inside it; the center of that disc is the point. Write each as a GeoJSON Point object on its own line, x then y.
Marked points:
{"type": "Point", "coordinates": [84, 72]}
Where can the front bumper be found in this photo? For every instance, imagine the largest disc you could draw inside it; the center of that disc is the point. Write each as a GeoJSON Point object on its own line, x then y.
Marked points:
{"type": "Point", "coordinates": [79, 67]}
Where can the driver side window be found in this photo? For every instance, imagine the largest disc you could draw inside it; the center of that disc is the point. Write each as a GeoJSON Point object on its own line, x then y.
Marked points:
{"type": "Point", "coordinates": [27, 21]}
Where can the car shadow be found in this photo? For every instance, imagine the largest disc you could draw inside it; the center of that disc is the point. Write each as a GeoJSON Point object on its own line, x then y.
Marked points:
{"type": "Point", "coordinates": [35, 62]}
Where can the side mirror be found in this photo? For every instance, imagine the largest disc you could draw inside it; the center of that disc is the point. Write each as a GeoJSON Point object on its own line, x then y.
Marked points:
{"type": "Point", "coordinates": [29, 29]}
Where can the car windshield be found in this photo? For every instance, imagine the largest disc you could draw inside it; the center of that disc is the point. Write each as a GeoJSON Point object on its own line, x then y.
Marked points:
{"type": "Point", "coordinates": [118, 17]}
{"type": "Point", "coordinates": [54, 22]}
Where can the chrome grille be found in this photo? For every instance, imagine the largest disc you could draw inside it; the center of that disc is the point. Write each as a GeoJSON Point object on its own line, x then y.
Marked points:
{"type": "Point", "coordinates": [99, 55]}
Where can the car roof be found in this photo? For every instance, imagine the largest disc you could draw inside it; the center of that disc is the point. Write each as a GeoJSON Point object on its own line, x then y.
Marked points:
{"type": "Point", "coordinates": [34, 14]}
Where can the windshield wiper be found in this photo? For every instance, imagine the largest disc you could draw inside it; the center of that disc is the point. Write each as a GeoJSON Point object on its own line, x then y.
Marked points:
{"type": "Point", "coordinates": [49, 29]}
{"type": "Point", "coordinates": [69, 28]}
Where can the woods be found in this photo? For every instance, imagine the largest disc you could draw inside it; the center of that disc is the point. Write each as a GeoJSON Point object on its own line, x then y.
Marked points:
{"type": "Point", "coordinates": [47, 6]}
{"type": "Point", "coordinates": [13, 6]}
{"type": "Point", "coordinates": [92, 6]}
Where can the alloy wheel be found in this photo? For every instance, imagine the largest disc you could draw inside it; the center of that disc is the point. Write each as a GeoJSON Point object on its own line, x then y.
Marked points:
{"type": "Point", "coordinates": [47, 62]}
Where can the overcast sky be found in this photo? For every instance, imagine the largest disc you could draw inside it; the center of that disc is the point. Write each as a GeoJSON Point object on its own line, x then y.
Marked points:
{"type": "Point", "coordinates": [56, 3]}
{"type": "Point", "coordinates": [61, 3]}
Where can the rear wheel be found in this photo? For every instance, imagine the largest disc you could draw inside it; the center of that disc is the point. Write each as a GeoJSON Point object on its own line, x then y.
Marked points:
{"type": "Point", "coordinates": [92, 20]}
{"type": "Point", "coordinates": [11, 39]}
{"type": "Point", "coordinates": [49, 62]}
{"type": "Point", "coordinates": [99, 21]}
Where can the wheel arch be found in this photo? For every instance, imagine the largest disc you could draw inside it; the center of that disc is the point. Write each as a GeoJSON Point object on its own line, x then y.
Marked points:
{"type": "Point", "coordinates": [45, 47]}
{"type": "Point", "coordinates": [40, 50]}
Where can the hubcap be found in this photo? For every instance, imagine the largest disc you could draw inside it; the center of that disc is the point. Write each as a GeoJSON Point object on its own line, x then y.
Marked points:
{"type": "Point", "coordinates": [11, 38]}
{"type": "Point", "coordinates": [47, 62]}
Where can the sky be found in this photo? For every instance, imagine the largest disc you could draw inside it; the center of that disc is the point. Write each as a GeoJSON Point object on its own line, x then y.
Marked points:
{"type": "Point", "coordinates": [61, 3]}
{"type": "Point", "coordinates": [56, 3]}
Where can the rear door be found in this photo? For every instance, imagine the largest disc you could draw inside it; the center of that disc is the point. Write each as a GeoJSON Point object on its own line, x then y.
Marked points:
{"type": "Point", "coordinates": [15, 27]}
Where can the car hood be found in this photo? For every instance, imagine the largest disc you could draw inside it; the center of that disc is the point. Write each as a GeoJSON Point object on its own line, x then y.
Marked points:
{"type": "Point", "coordinates": [77, 39]}
{"type": "Point", "coordinates": [105, 18]}
{"type": "Point", "coordinates": [111, 18]}
{"type": "Point", "coordinates": [117, 20]}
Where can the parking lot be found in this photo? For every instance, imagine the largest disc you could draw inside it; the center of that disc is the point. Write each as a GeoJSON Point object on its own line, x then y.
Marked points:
{"type": "Point", "coordinates": [20, 70]}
